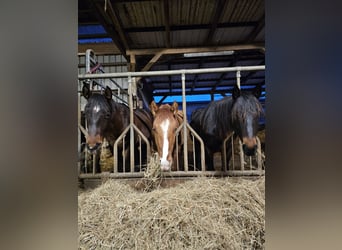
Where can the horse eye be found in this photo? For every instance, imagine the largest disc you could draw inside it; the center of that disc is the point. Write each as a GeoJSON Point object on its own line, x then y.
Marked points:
{"type": "Point", "coordinates": [153, 129]}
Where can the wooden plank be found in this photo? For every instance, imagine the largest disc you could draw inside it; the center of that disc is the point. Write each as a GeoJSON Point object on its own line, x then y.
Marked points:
{"type": "Point", "coordinates": [220, 6]}
{"type": "Point", "coordinates": [139, 52]}
{"type": "Point", "coordinates": [152, 61]}
{"type": "Point", "coordinates": [167, 23]}
{"type": "Point", "coordinates": [132, 63]}
{"type": "Point", "coordinates": [118, 24]}
{"type": "Point", "coordinates": [99, 48]}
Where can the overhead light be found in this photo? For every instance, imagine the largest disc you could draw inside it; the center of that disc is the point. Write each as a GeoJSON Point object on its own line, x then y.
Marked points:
{"type": "Point", "coordinates": [217, 53]}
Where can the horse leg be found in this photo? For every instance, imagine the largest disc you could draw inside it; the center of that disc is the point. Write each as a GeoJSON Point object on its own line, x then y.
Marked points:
{"type": "Point", "coordinates": [209, 159]}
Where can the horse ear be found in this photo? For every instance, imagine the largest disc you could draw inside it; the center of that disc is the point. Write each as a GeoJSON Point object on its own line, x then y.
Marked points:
{"type": "Point", "coordinates": [86, 91]}
{"type": "Point", "coordinates": [108, 93]}
{"type": "Point", "coordinates": [236, 92]}
{"type": "Point", "coordinates": [257, 91]}
{"type": "Point", "coordinates": [174, 107]}
{"type": "Point", "coordinates": [154, 108]}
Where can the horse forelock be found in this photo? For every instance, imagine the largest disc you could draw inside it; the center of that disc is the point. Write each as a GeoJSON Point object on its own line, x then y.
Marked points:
{"type": "Point", "coordinates": [98, 102]}
{"type": "Point", "coordinates": [246, 105]}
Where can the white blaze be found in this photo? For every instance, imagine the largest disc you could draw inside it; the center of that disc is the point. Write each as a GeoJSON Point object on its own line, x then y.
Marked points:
{"type": "Point", "coordinates": [96, 108]}
{"type": "Point", "coordinates": [250, 126]}
{"type": "Point", "coordinates": [165, 128]}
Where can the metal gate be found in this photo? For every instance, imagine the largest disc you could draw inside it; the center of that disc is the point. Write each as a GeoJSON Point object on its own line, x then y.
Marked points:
{"type": "Point", "coordinates": [254, 164]}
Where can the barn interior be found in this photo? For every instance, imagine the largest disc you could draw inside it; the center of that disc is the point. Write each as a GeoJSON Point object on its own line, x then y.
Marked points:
{"type": "Point", "coordinates": [154, 35]}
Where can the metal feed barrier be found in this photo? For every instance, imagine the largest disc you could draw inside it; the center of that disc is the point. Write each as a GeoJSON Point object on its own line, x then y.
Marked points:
{"type": "Point", "coordinates": [185, 131]}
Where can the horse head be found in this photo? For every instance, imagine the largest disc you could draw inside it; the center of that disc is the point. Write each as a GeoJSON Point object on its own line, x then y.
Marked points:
{"type": "Point", "coordinates": [98, 112]}
{"type": "Point", "coordinates": [246, 112]}
{"type": "Point", "coordinates": [165, 124]}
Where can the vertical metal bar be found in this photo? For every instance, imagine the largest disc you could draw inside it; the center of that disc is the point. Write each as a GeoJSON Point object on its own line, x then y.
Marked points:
{"type": "Point", "coordinates": [94, 163]}
{"type": "Point", "coordinates": [193, 150]}
{"type": "Point", "coordinates": [238, 75]}
{"type": "Point", "coordinates": [233, 153]}
{"type": "Point", "coordinates": [140, 155]}
{"type": "Point", "coordinates": [241, 156]}
{"type": "Point", "coordinates": [123, 154]}
{"type": "Point", "coordinates": [176, 152]}
{"type": "Point", "coordinates": [259, 154]}
{"type": "Point", "coordinates": [79, 133]}
{"type": "Point", "coordinates": [131, 122]}
{"type": "Point", "coordinates": [185, 141]}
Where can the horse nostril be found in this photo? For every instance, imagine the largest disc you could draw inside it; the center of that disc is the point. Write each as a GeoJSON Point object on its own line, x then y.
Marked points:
{"type": "Point", "coordinates": [249, 151]}
{"type": "Point", "coordinates": [93, 148]}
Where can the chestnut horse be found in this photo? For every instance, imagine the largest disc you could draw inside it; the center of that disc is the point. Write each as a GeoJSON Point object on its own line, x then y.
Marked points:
{"type": "Point", "coordinates": [166, 120]}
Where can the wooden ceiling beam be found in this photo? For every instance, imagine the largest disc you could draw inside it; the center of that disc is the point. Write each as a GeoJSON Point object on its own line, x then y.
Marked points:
{"type": "Point", "coordinates": [254, 33]}
{"type": "Point", "coordinates": [99, 48]}
{"type": "Point", "coordinates": [167, 23]}
{"type": "Point", "coordinates": [196, 76]}
{"type": "Point", "coordinates": [117, 24]}
{"type": "Point", "coordinates": [220, 6]}
{"type": "Point", "coordinates": [252, 46]}
{"type": "Point", "coordinates": [189, 27]}
{"type": "Point", "coordinates": [99, 12]}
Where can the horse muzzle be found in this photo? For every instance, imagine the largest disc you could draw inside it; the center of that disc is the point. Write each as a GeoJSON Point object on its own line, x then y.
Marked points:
{"type": "Point", "coordinates": [165, 165]}
{"type": "Point", "coordinates": [249, 146]}
{"type": "Point", "coordinates": [93, 143]}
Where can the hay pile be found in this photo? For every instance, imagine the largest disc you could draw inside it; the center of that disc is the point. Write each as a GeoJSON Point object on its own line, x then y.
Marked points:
{"type": "Point", "coordinates": [203, 213]}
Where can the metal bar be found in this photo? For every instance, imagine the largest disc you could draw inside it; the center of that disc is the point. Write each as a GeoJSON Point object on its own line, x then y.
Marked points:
{"type": "Point", "coordinates": [144, 138]}
{"type": "Point", "coordinates": [258, 153]}
{"type": "Point", "coordinates": [178, 174]}
{"type": "Point", "coordinates": [238, 75]}
{"type": "Point", "coordinates": [171, 72]}
{"type": "Point", "coordinates": [115, 149]}
{"type": "Point", "coordinates": [201, 143]}
{"type": "Point", "coordinates": [185, 144]}
{"type": "Point", "coordinates": [79, 132]}
{"type": "Point", "coordinates": [242, 159]}
{"type": "Point", "coordinates": [224, 152]}
{"type": "Point", "coordinates": [131, 122]}
{"type": "Point", "coordinates": [233, 153]}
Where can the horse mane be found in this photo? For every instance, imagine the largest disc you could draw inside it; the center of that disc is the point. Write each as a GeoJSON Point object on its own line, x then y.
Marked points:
{"type": "Point", "coordinates": [211, 116]}
{"type": "Point", "coordinates": [251, 105]}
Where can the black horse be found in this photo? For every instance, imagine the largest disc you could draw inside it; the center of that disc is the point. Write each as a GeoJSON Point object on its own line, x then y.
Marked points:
{"type": "Point", "coordinates": [239, 113]}
{"type": "Point", "coordinates": [108, 119]}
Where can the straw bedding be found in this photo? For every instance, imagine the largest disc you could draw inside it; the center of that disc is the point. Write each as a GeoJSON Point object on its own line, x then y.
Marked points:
{"type": "Point", "coordinates": [204, 213]}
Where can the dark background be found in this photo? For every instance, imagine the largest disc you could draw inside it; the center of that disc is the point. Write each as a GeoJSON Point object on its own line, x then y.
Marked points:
{"type": "Point", "coordinates": [38, 124]}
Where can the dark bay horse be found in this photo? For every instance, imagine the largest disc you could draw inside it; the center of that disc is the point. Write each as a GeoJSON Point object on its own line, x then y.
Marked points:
{"type": "Point", "coordinates": [108, 119]}
{"type": "Point", "coordinates": [166, 121]}
{"type": "Point", "coordinates": [239, 113]}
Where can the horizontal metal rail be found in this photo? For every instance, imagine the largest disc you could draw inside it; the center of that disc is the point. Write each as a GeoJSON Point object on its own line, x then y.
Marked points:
{"type": "Point", "coordinates": [176, 174]}
{"type": "Point", "coordinates": [171, 72]}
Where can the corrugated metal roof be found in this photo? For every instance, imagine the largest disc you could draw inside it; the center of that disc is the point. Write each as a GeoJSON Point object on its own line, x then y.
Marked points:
{"type": "Point", "coordinates": [177, 24]}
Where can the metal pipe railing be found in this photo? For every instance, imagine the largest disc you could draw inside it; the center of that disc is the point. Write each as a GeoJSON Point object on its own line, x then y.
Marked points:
{"type": "Point", "coordinates": [171, 72]}
{"type": "Point", "coordinates": [183, 126]}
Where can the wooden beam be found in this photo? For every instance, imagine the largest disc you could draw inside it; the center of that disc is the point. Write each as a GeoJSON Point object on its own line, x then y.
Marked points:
{"type": "Point", "coordinates": [167, 23]}
{"type": "Point", "coordinates": [99, 12]}
{"type": "Point", "coordinates": [231, 64]}
{"type": "Point", "coordinates": [99, 48]}
{"type": "Point", "coordinates": [189, 27]}
{"type": "Point", "coordinates": [117, 23]}
{"type": "Point", "coordinates": [139, 52]}
{"type": "Point", "coordinates": [220, 6]}
{"type": "Point", "coordinates": [196, 76]}
{"type": "Point", "coordinates": [132, 63]}
{"type": "Point", "coordinates": [254, 33]}
{"type": "Point", "coordinates": [150, 63]}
